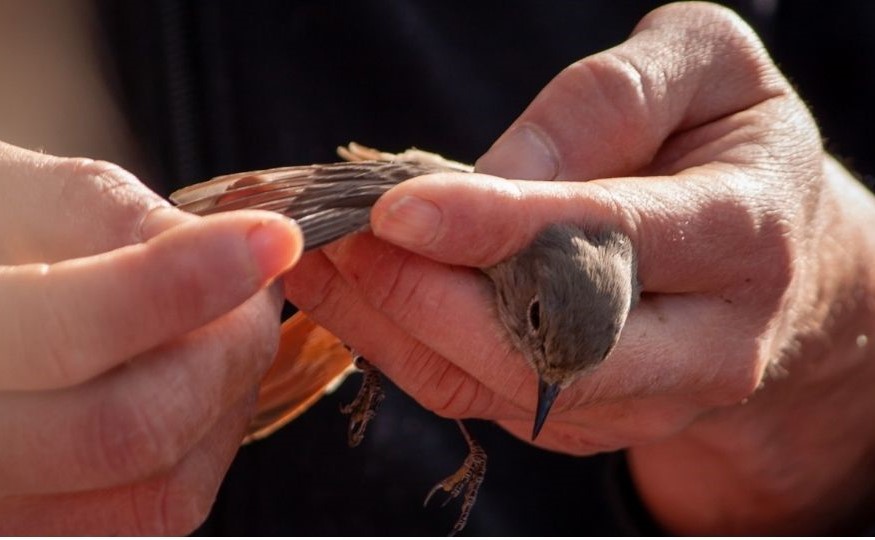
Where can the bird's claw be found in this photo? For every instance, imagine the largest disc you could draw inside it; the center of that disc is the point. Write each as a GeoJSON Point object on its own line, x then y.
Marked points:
{"type": "Point", "coordinates": [363, 408]}
{"type": "Point", "coordinates": [467, 478]}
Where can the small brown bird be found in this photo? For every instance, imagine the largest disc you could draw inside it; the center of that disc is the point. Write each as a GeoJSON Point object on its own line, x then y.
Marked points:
{"type": "Point", "coordinates": [563, 300]}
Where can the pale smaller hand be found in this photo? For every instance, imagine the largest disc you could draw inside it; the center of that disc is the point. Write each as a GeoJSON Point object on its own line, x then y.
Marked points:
{"type": "Point", "coordinates": [132, 340]}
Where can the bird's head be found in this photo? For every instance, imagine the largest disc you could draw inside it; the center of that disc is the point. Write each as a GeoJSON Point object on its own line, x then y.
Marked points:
{"type": "Point", "coordinates": [564, 301]}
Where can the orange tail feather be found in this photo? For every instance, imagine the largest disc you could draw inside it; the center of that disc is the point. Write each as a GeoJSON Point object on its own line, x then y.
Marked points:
{"type": "Point", "coordinates": [309, 363]}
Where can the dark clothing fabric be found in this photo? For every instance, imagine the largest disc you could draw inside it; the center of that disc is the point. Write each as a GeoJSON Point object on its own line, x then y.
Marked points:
{"type": "Point", "coordinates": [218, 87]}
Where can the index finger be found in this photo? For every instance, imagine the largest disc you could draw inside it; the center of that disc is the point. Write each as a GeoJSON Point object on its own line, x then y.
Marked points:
{"type": "Point", "coordinates": [690, 232]}
{"type": "Point", "coordinates": [65, 323]}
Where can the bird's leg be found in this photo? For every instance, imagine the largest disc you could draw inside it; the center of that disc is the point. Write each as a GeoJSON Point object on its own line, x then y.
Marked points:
{"type": "Point", "coordinates": [364, 407]}
{"type": "Point", "coordinates": [468, 478]}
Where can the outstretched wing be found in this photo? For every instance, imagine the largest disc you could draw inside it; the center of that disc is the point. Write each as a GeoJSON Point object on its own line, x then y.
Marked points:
{"type": "Point", "coordinates": [328, 201]}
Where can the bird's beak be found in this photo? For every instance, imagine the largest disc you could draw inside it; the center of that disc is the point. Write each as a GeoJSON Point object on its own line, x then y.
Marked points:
{"type": "Point", "coordinates": [546, 396]}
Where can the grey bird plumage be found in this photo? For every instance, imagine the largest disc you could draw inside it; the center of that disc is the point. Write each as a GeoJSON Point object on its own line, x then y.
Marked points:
{"type": "Point", "coordinates": [563, 300]}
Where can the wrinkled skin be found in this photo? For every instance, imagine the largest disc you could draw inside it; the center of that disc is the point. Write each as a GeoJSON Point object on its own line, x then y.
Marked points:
{"type": "Point", "coordinates": [742, 379]}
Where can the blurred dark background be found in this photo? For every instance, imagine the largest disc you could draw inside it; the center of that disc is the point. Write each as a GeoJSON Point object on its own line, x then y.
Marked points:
{"type": "Point", "coordinates": [217, 87]}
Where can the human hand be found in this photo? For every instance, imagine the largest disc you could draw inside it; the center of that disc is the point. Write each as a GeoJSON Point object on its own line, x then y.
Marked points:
{"type": "Point", "coordinates": [132, 340]}
{"type": "Point", "coordinates": [694, 144]}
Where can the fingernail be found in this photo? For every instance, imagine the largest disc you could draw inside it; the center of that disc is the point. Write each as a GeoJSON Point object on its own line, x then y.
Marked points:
{"type": "Point", "coordinates": [524, 153]}
{"type": "Point", "coordinates": [276, 246]}
{"type": "Point", "coordinates": [409, 222]}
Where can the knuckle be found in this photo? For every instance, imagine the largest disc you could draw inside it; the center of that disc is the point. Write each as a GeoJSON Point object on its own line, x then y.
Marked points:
{"type": "Point", "coordinates": [445, 389]}
{"type": "Point", "coordinates": [124, 199]}
{"type": "Point", "coordinates": [394, 280]}
{"type": "Point", "coordinates": [770, 240]}
{"type": "Point", "coordinates": [453, 396]}
{"type": "Point", "coordinates": [127, 442]}
{"type": "Point", "coordinates": [325, 290]}
{"type": "Point", "coordinates": [169, 507]}
{"type": "Point", "coordinates": [611, 205]}
{"type": "Point", "coordinates": [628, 89]}
{"type": "Point", "coordinates": [105, 176]}
{"type": "Point", "coordinates": [708, 21]}
{"type": "Point", "coordinates": [418, 290]}
{"type": "Point", "coordinates": [737, 388]}
{"type": "Point", "coordinates": [741, 375]}
{"type": "Point", "coordinates": [185, 505]}
{"type": "Point", "coordinates": [83, 177]}
{"type": "Point", "coordinates": [710, 31]}
{"type": "Point", "coordinates": [398, 285]}
{"type": "Point", "coordinates": [505, 216]}
{"type": "Point", "coordinates": [76, 168]}
{"type": "Point", "coordinates": [186, 513]}
{"type": "Point", "coordinates": [624, 79]}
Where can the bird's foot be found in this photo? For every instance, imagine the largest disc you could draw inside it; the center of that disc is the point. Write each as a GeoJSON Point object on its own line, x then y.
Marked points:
{"type": "Point", "coordinates": [468, 479]}
{"type": "Point", "coordinates": [363, 408]}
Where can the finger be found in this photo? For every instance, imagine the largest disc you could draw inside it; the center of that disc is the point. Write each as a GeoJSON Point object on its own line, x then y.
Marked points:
{"type": "Point", "coordinates": [710, 226]}
{"type": "Point", "coordinates": [448, 311]}
{"type": "Point", "coordinates": [655, 382]}
{"type": "Point", "coordinates": [463, 366]}
{"type": "Point", "coordinates": [609, 114]}
{"type": "Point", "coordinates": [173, 503]}
{"type": "Point", "coordinates": [141, 420]}
{"type": "Point", "coordinates": [420, 368]}
{"type": "Point", "coordinates": [70, 321]}
{"type": "Point", "coordinates": [61, 208]}
{"type": "Point", "coordinates": [694, 232]}
{"type": "Point", "coordinates": [599, 428]}
{"type": "Point", "coordinates": [451, 310]}
{"type": "Point", "coordinates": [651, 385]}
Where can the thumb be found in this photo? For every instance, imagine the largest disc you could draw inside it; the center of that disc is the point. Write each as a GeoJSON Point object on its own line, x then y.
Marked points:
{"type": "Point", "coordinates": [609, 114]}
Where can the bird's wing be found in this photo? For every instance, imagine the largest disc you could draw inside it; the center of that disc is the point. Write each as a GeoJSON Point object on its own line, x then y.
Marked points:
{"type": "Point", "coordinates": [327, 200]}
{"type": "Point", "coordinates": [309, 363]}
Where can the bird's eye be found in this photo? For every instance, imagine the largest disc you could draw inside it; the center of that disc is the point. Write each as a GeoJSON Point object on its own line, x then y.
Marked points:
{"type": "Point", "coordinates": [535, 314]}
